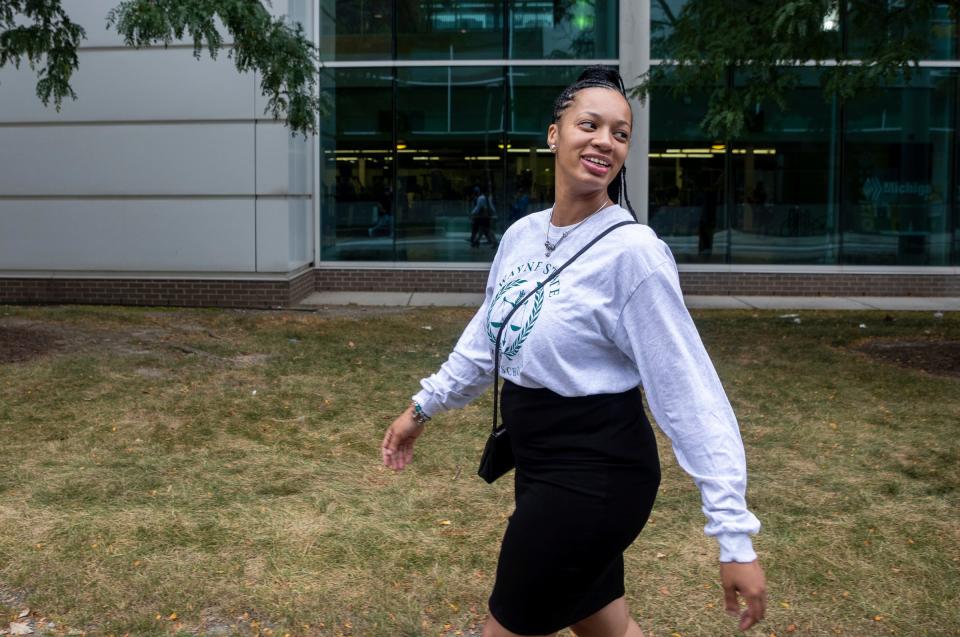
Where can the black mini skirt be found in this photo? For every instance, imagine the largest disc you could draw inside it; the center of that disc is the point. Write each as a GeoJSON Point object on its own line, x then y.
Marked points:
{"type": "Point", "coordinates": [586, 478]}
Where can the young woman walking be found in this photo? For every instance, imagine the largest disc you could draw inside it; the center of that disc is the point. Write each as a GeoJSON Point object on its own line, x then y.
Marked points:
{"type": "Point", "coordinates": [572, 358]}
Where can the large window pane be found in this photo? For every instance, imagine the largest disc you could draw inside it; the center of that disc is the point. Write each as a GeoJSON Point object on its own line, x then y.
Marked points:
{"type": "Point", "coordinates": [899, 165]}
{"type": "Point", "coordinates": [357, 199]}
{"type": "Point", "coordinates": [872, 26]}
{"type": "Point", "coordinates": [783, 167]}
{"type": "Point", "coordinates": [687, 183]}
{"type": "Point", "coordinates": [580, 29]}
{"type": "Point", "coordinates": [663, 13]}
{"type": "Point", "coordinates": [444, 30]}
{"type": "Point", "coordinates": [955, 251]}
{"type": "Point", "coordinates": [943, 34]}
{"type": "Point", "coordinates": [351, 30]}
{"type": "Point", "coordinates": [450, 141]}
{"type": "Point", "coordinates": [530, 164]}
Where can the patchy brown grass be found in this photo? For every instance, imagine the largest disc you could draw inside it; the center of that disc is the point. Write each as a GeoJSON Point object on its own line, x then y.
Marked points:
{"type": "Point", "coordinates": [217, 472]}
{"type": "Point", "coordinates": [937, 357]}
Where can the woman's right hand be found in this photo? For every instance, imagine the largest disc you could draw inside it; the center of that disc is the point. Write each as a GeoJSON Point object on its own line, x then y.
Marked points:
{"type": "Point", "coordinates": [397, 446]}
{"type": "Point", "coordinates": [747, 579]}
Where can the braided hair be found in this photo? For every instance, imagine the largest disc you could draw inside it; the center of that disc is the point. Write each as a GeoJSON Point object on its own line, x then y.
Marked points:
{"type": "Point", "coordinates": [602, 77]}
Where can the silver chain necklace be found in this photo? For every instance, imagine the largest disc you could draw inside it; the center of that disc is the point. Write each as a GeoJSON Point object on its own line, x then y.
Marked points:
{"type": "Point", "coordinates": [550, 246]}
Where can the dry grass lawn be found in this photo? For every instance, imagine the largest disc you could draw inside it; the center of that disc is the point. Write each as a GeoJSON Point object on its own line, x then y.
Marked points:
{"type": "Point", "coordinates": [171, 471]}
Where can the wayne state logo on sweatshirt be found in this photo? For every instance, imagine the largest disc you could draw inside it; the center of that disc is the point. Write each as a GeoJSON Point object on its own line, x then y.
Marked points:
{"type": "Point", "coordinates": [513, 288]}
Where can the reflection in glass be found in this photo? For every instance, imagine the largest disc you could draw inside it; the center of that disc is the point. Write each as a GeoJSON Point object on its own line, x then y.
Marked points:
{"type": "Point", "coordinates": [937, 36]}
{"type": "Point", "coordinates": [443, 30]}
{"type": "Point", "coordinates": [403, 166]}
{"type": "Point", "coordinates": [450, 151]}
{"type": "Point", "coordinates": [955, 251]}
{"type": "Point", "coordinates": [783, 209]}
{"type": "Point", "coordinates": [687, 184]}
{"type": "Point", "coordinates": [899, 157]}
{"type": "Point", "coordinates": [356, 179]}
{"type": "Point", "coordinates": [579, 29]}
{"type": "Point", "coordinates": [663, 14]}
{"type": "Point", "coordinates": [530, 178]}
{"type": "Point", "coordinates": [351, 30]}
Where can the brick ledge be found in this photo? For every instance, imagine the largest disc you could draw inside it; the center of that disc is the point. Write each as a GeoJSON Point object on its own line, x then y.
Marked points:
{"type": "Point", "coordinates": [254, 293]}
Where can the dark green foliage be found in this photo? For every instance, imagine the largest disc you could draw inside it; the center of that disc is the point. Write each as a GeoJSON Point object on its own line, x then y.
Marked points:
{"type": "Point", "coordinates": [40, 33]}
{"type": "Point", "coordinates": [284, 59]}
{"type": "Point", "coordinates": [760, 40]}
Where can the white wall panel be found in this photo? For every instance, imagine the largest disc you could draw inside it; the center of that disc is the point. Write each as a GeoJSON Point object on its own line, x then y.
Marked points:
{"type": "Point", "coordinates": [301, 11]}
{"type": "Point", "coordinates": [284, 233]}
{"type": "Point", "coordinates": [131, 85]}
{"type": "Point", "coordinates": [92, 16]}
{"type": "Point", "coordinates": [283, 165]}
{"type": "Point", "coordinates": [174, 235]}
{"type": "Point", "coordinates": [86, 174]}
{"type": "Point", "coordinates": [175, 159]}
{"type": "Point", "coordinates": [260, 104]}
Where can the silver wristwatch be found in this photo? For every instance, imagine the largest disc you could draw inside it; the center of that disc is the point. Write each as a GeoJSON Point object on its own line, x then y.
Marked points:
{"type": "Point", "coordinates": [419, 416]}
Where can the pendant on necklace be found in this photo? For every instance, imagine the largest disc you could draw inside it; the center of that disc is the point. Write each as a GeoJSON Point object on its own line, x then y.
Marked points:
{"type": "Point", "coordinates": [550, 248]}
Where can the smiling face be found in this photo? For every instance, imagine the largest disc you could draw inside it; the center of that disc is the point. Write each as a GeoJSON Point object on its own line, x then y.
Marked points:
{"type": "Point", "coordinates": [592, 138]}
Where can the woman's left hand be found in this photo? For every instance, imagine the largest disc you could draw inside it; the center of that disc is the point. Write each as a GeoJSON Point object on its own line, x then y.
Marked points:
{"type": "Point", "coordinates": [748, 580]}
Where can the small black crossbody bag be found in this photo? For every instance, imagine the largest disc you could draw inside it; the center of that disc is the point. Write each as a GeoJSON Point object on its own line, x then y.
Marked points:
{"type": "Point", "coordinates": [497, 458]}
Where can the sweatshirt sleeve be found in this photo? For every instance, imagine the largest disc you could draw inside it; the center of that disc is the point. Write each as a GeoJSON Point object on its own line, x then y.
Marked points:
{"type": "Point", "coordinates": [655, 330]}
{"type": "Point", "coordinates": [468, 371]}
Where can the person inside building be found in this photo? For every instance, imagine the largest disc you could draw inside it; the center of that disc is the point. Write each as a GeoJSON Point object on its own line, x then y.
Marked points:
{"type": "Point", "coordinates": [518, 208]}
{"type": "Point", "coordinates": [383, 227]}
{"type": "Point", "coordinates": [481, 215]}
{"type": "Point", "coordinates": [573, 356]}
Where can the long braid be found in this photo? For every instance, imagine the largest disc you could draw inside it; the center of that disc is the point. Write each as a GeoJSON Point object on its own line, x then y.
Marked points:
{"type": "Point", "coordinates": [615, 187]}
{"type": "Point", "coordinates": [626, 197]}
{"type": "Point", "coordinates": [602, 77]}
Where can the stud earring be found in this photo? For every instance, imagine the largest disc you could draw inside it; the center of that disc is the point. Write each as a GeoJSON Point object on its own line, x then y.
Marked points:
{"type": "Point", "coordinates": [553, 148]}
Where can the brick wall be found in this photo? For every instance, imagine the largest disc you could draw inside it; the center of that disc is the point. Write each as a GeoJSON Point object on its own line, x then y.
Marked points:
{"type": "Point", "coordinates": [717, 283]}
{"type": "Point", "coordinates": [300, 286]}
{"type": "Point", "coordinates": [825, 284]}
{"type": "Point", "coordinates": [347, 280]}
{"type": "Point", "coordinates": [174, 292]}
{"type": "Point", "coordinates": [266, 294]}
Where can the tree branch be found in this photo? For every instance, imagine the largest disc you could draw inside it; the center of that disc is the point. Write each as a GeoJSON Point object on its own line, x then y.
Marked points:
{"type": "Point", "coordinates": [284, 58]}
{"type": "Point", "coordinates": [765, 41]}
{"type": "Point", "coordinates": [41, 34]}
{"type": "Point", "coordinates": [46, 39]}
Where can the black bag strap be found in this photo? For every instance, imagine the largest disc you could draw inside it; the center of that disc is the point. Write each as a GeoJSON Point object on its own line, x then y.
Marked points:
{"type": "Point", "coordinates": [506, 320]}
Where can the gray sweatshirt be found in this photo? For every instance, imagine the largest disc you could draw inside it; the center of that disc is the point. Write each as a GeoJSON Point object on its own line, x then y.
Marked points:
{"type": "Point", "coordinates": [611, 321]}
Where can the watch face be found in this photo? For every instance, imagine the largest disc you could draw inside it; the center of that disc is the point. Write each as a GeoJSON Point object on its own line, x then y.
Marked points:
{"type": "Point", "coordinates": [418, 416]}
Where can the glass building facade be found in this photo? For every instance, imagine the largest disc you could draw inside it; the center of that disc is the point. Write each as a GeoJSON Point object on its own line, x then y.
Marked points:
{"type": "Point", "coordinates": [432, 101]}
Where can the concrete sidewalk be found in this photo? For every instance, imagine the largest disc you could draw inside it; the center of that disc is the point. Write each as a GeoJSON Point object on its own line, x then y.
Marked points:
{"type": "Point", "coordinates": [457, 299]}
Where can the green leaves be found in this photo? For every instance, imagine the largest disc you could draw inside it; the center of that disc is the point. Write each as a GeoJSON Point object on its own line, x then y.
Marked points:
{"type": "Point", "coordinates": [284, 59]}
{"type": "Point", "coordinates": [39, 32]}
{"type": "Point", "coordinates": [713, 42]}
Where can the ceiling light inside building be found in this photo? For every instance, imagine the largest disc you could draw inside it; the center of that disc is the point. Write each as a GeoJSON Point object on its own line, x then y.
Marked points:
{"type": "Point", "coordinates": [831, 21]}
